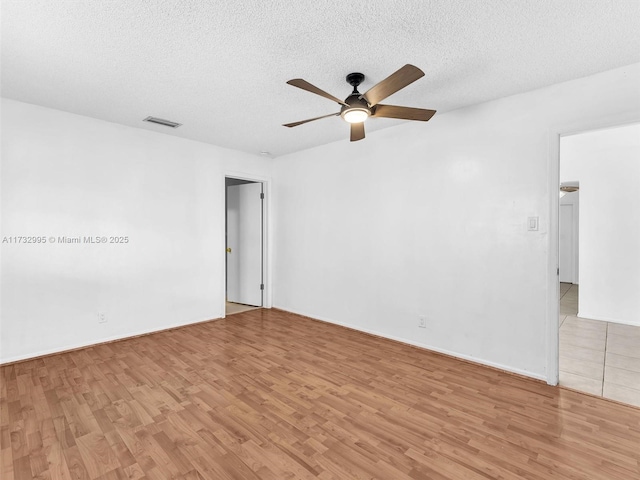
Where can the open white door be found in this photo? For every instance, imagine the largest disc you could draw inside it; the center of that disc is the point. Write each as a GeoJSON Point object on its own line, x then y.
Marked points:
{"type": "Point", "coordinates": [244, 244]}
{"type": "Point", "coordinates": [566, 253]}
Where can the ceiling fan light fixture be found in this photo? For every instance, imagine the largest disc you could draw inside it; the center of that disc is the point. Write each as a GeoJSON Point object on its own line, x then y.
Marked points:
{"type": "Point", "coordinates": [355, 115]}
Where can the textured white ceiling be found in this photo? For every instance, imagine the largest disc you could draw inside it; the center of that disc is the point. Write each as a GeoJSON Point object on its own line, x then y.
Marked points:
{"type": "Point", "coordinates": [220, 68]}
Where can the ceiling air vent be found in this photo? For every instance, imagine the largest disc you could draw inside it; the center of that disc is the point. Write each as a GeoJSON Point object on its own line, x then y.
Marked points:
{"type": "Point", "coordinates": [162, 121]}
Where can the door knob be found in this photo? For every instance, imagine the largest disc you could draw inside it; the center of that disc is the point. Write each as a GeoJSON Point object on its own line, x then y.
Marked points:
{"type": "Point", "coordinates": [228, 249]}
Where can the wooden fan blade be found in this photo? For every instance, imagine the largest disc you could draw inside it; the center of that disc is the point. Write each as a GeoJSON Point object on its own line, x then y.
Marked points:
{"type": "Point", "coordinates": [357, 131]}
{"type": "Point", "coordinates": [295, 124]}
{"type": "Point", "coordinates": [405, 113]}
{"type": "Point", "coordinates": [394, 82]}
{"type": "Point", "coordinates": [304, 85]}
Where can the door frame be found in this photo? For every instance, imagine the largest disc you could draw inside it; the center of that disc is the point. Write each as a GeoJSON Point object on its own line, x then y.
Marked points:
{"type": "Point", "coordinates": [266, 235]}
{"type": "Point", "coordinates": [553, 245]}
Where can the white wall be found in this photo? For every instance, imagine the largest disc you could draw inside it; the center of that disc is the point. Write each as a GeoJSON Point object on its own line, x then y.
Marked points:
{"type": "Point", "coordinates": [607, 164]}
{"type": "Point", "coordinates": [430, 219]}
{"type": "Point", "coordinates": [67, 175]}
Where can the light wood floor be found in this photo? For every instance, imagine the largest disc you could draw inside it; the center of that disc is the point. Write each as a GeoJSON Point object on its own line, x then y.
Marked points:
{"type": "Point", "coordinates": [271, 395]}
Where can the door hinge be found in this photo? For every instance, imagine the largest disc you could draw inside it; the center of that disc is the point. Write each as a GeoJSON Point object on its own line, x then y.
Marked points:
{"type": "Point", "coordinates": [262, 196]}
{"type": "Point", "coordinates": [262, 286]}
{"type": "Point", "coordinates": [558, 271]}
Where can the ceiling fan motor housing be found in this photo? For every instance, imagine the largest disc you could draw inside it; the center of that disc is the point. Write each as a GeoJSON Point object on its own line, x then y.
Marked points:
{"type": "Point", "coordinates": [357, 106]}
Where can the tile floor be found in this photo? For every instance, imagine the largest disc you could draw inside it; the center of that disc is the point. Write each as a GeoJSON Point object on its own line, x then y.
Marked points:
{"type": "Point", "coordinates": [597, 357]}
{"type": "Point", "coordinates": [232, 308]}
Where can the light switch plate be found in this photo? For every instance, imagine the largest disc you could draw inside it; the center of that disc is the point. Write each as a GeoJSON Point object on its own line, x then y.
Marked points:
{"type": "Point", "coordinates": [532, 224]}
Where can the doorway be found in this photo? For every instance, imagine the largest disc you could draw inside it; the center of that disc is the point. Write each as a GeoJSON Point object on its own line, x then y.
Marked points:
{"type": "Point", "coordinates": [599, 321]}
{"type": "Point", "coordinates": [244, 245]}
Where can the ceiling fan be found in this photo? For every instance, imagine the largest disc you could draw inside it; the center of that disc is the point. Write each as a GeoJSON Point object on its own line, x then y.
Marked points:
{"type": "Point", "coordinates": [357, 107]}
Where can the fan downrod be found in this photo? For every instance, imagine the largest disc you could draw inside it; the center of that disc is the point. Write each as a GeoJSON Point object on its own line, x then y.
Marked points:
{"type": "Point", "coordinates": [355, 79]}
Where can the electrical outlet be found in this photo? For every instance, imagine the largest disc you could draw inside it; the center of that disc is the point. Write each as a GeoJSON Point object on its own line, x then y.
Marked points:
{"type": "Point", "coordinates": [422, 322]}
{"type": "Point", "coordinates": [102, 318]}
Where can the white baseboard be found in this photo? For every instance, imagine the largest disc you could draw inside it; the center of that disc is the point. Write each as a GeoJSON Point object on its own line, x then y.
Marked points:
{"type": "Point", "coordinates": [590, 316]}
{"type": "Point", "coordinates": [67, 348]}
{"type": "Point", "coordinates": [425, 346]}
